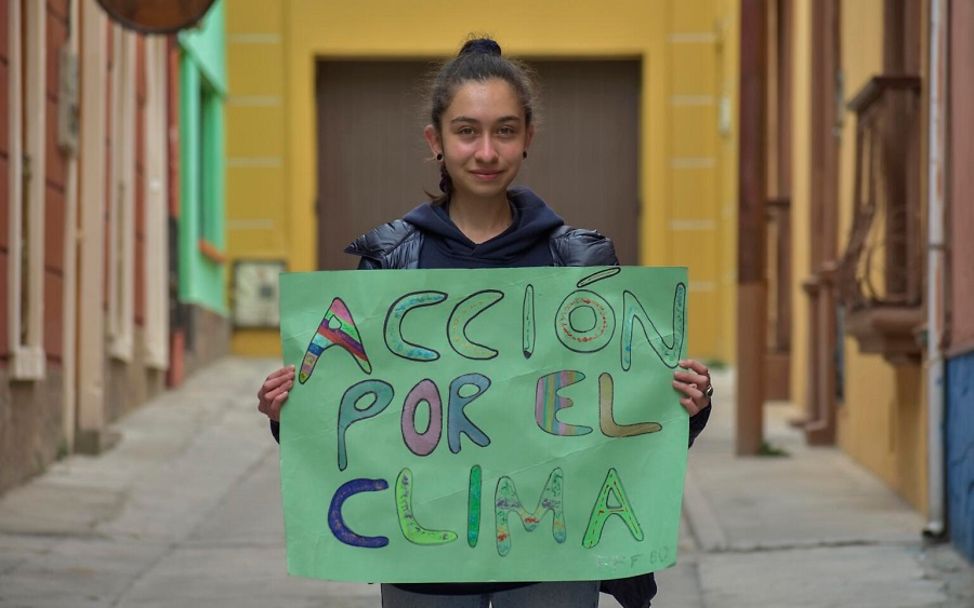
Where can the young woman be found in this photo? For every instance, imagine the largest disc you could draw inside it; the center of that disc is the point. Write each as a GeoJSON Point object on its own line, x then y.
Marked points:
{"type": "Point", "coordinates": [480, 130]}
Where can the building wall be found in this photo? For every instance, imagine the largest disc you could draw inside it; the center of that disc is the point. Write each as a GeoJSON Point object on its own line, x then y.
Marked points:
{"type": "Point", "coordinates": [204, 330]}
{"type": "Point", "coordinates": [31, 434]}
{"type": "Point", "coordinates": [727, 97]}
{"type": "Point", "coordinates": [138, 309]}
{"type": "Point", "coordinates": [31, 430]}
{"type": "Point", "coordinates": [55, 180]}
{"type": "Point", "coordinates": [177, 336]}
{"type": "Point", "coordinates": [4, 175]}
{"type": "Point", "coordinates": [961, 184]}
{"type": "Point", "coordinates": [202, 244]}
{"type": "Point", "coordinates": [258, 189]}
{"type": "Point", "coordinates": [131, 380]}
{"type": "Point", "coordinates": [688, 53]}
{"type": "Point", "coordinates": [130, 369]}
{"type": "Point", "coordinates": [960, 200]}
{"type": "Point", "coordinates": [882, 420]}
{"type": "Point", "coordinates": [960, 452]}
{"type": "Point", "coordinates": [69, 407]}
{"type": "Point", "coordinates": [129, 384]}
{"type": "Point", "coordinates": [802, 50]}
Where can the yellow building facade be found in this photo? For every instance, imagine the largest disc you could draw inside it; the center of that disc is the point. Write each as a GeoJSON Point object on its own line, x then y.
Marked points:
{"type": "Point", "coordinates": [881, 416]}
{"type": "Point", "coordinates": [687, 148]}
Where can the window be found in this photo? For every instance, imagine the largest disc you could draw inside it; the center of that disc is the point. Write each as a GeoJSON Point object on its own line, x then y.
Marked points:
{"type": "Point", "coordinates": [210, 151]}
{"type": "Point", "coordinates": [27, 102]}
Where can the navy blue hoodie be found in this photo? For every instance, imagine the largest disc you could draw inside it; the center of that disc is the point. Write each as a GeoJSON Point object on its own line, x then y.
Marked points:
{"type": "Point", "coordinates": [524, 243]}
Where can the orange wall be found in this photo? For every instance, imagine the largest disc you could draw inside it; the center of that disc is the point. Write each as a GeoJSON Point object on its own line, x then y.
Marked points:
{"type": "Point", "coordinates": [56, 179]}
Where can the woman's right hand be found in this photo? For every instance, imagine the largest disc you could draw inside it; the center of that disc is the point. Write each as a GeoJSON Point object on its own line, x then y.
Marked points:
{"type": "Point", "coordinates": [273, 392]}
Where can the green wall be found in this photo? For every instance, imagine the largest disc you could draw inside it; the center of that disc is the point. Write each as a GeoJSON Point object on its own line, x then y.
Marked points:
{"type": "Point", "coordinates": [202, 279]}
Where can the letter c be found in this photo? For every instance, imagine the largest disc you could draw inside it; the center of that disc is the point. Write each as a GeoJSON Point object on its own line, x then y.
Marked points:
{"type": "Point", "coordinates": [337, 523]}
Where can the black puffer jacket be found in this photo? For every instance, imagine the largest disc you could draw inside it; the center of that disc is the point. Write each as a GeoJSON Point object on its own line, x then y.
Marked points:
{"type": "Point", "coordinates": [397, 245]}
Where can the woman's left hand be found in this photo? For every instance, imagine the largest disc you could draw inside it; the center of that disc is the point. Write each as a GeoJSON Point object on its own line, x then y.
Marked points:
{"type": "Point", "coordinates": [694, 383]}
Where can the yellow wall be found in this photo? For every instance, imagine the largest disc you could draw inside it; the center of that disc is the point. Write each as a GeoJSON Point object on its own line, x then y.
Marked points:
{"type": "Point", "coordinates": [260, 208]}
{"type": "Point", "coordinates": [728, 20]}
{"type": "Point", "coordinates": [800, 194]}
{"type": "Point", "coordinates": [882, 423]}
{"type": "Point", "coordinates": [686, 188]}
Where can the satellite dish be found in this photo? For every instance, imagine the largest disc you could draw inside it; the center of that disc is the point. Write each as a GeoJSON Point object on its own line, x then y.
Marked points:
{"type": "Point", "coordinates": [156, 16]}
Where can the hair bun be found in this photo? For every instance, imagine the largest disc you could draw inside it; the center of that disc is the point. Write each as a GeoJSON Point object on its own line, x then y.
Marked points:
{"type": "Point", "coordinates": [484, 46]}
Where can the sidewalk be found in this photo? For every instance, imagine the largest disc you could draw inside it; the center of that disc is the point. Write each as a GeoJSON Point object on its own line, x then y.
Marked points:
{"type": "Point", "coordinates": [185, 511]}
{"type": "Point", "coordinates": [809, 529]}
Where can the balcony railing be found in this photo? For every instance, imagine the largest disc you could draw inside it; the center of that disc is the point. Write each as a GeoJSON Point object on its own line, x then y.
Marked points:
{"type": "Point", "coordinates": [880, 274]}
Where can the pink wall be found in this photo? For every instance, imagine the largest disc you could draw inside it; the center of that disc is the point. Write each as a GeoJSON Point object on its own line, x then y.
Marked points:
{"type": "Point", "coordinates": [961, 180]}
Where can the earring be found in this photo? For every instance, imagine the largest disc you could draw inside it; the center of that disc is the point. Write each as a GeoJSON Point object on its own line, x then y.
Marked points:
{"type": "Point", "coordinates": [525, 154]}
{"type": "Point", "coordinates": [439, 156]}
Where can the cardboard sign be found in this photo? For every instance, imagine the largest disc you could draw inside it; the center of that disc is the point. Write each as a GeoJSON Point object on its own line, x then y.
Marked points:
{"type": "Point", "coordinates": [483, 425]}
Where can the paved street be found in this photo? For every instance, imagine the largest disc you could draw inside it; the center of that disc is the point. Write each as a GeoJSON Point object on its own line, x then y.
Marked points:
{"type": "Point", "coordinates": [185, 511]}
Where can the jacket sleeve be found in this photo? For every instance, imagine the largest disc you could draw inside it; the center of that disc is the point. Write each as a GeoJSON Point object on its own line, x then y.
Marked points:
{"type": "Point", "coordinates": [365, 263]}
{"type": "Point", "coordinates": [697, 423]}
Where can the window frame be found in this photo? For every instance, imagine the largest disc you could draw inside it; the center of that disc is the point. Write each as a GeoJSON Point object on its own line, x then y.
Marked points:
{"type": "Point", "coordinates": [27, 175]}
{"type": "Point", "coordinates": [209, 237]}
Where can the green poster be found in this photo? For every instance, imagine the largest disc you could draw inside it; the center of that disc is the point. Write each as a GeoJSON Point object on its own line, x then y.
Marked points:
{"type": "Point", "coordinates": [483, 425]}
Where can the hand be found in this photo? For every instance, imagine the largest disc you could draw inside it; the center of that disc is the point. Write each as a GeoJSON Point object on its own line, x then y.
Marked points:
{"type": "Point", "coordinates": [273, 392]}
{"type": "Point", "coordinates": [693, 384]}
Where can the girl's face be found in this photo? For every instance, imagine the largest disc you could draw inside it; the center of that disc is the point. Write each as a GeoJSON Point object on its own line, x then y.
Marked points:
{"type": "Point", "coordinates": [483, 137]}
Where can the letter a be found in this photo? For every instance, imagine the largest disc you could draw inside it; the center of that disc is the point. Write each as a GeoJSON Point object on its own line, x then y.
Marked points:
{"type": "Point", "coordinates": [601, 511]}
{"type": "Point", "coordinates": [337, 328]}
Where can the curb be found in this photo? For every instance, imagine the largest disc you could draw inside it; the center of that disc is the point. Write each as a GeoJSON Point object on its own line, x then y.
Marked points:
{"type": "Point", "coordinates": [702, 519]}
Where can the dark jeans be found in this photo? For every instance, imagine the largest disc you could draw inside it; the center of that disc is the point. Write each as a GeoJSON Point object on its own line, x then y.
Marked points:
{"type": "Point", "coordinates": [569, 594]}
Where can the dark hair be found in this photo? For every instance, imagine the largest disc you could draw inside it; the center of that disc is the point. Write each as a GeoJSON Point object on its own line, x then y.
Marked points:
{"type": "Point", "coordinates": [479, 59]}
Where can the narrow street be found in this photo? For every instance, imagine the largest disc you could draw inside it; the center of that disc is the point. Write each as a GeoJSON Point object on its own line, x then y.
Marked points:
{"type": "Point", "coordinates": [185, 511]}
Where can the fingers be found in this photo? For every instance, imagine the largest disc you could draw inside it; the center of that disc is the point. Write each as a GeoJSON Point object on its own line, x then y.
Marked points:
{"type": "Point", "coordinates": [287, 369]}
{"type": "Point", "coordinates": [274, 392]}
{"type": "Point", "coordinates": [690, 406]}
{"type": "Point", "coordinates": [690, 390]}
{"type": "Point", "coordinates": [274, 407]}
{"type": "Point", "coordinates": [273, 384]}
{"type": "Point", "coordinates": [276, 379]}
{"type": "Point", "coordinates": [694, 383]}
{"type": "Point", "coordinates": [692, 378]}
{"type": "Point", "coordinates": [693, 400]}
{"type": "Point", "coordinates": [272, 404]}
{"type": "Point", "coordinates": [696, 366]}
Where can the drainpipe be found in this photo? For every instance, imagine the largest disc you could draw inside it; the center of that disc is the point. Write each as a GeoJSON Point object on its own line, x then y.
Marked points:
{"type": "Point", "coordinates": [936, 473]}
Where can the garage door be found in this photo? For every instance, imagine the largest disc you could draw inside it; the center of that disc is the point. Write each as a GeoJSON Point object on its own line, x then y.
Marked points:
{"type": "Point", "coordinates": [373, 164]}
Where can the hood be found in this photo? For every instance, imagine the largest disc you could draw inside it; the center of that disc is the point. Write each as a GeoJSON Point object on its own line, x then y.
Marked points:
{"type": "Point", "coordinates": [533, 221]}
